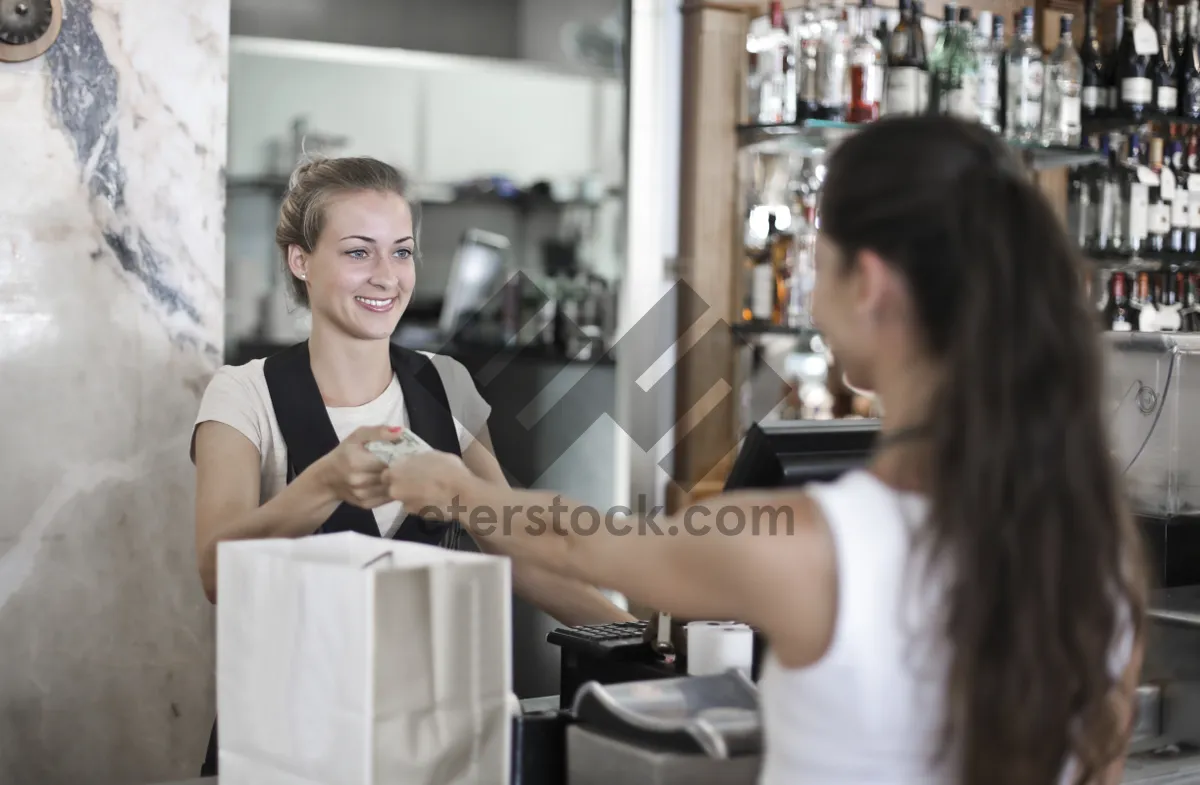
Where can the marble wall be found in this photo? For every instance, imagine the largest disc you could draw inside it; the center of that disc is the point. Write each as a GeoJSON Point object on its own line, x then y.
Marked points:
{"type": "Point", "coordinates": [112, 147]}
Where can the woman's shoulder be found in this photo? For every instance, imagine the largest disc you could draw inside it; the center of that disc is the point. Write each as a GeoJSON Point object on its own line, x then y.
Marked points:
{"type": "Point", "coordinates": [247, 379]}
{"type": "Point", "coordinates": [455, 376]}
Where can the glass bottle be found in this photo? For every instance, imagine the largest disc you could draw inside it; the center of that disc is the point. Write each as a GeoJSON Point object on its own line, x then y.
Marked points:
{"type": "Point", "coordinates": [1110, 60]}
{"type": "Point", "coordinates": [1093, 98]}
{"type": "Point", "coordinates": [991, 64]}
{"type": "Point", "coordinates": [1133, 77]}
{"type": "Point", "coordinates": [907, 77]}
{"type": "Point", "coordinates": [1061, 120]}
{"type": "Point", "coordinates": [866, 69]}
{"type": "Point", "coordinates": [1164, 68]}
{"type": "Point", "coordinates": [1189, 65]}
{"type": "Point", "coordinates": [1118, 315]}
{"type": "Point", "coordinates": [833, 67]}
{"type": "Point", "coordinates": [1025, 71]}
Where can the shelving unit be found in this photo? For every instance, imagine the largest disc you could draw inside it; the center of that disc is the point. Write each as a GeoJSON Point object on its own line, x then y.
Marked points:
{"type": "Point", "coordinates": [815, 137]}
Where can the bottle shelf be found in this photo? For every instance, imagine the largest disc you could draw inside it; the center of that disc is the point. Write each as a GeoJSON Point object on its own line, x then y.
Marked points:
{"type": "Point", "coordinates": [1148, 260]}
{"type": "Point", "coordinates": [756, 330]}
{"type": "Point", "coordinates": [1106, 125]}
{"type": "Point", "coordinates": [813, 137]}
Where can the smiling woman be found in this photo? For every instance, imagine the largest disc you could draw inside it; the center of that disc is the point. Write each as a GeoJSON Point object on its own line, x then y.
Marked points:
{"type": "Point", "coordinates": [279, 444]}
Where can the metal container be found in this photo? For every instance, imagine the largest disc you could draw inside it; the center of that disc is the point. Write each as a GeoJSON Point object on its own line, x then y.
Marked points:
{"type": "Point", "coordinates": [1153, 394]}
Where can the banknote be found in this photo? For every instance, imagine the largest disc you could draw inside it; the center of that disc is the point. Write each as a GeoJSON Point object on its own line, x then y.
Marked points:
{"type": "Point", "coordinates": [408, 444]}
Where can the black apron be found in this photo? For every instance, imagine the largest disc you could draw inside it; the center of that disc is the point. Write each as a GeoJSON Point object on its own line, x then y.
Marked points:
{"type": "Point", "coordinates": [309, 435]}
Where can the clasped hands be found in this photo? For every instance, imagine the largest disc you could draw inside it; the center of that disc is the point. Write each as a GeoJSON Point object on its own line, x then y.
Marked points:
{"type": "Point", "coordinates": [428, 484]}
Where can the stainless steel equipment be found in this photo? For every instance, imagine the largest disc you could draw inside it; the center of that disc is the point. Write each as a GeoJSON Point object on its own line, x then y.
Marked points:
{"type": "Point", "coordinates": [1153, 388]}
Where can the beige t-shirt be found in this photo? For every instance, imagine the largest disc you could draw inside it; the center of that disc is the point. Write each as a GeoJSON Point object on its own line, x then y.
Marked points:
{"type": "Point", "coordinates": [238, 396]}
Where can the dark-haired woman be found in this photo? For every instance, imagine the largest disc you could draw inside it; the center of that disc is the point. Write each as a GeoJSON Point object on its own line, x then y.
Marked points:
{"type": "Point", "coordinates": [279, 443]}
{"type": "Point", "coordinates": [968, 608]}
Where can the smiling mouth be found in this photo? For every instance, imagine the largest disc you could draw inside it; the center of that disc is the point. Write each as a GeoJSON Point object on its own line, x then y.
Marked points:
{"type": "Point", "coordinates": [377, 306]}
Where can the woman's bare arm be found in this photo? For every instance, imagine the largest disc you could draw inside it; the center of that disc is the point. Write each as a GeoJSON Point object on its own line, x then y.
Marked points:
{"type": "Point", "coordinates": [227, 496]}
{"type": "Point", "coordinates": [570, 602]}
{"type": "Point", "coordinates": [746, 555]}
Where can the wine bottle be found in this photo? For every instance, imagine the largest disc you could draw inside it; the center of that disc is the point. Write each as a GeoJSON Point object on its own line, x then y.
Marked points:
{"type": "Point", "coordinates": [1181, 213]}
{"type": "Point", "coordinates": [1118, 315]}
{"type": "Point", "coordinates": [1110, 62]}
{"type": "Point", "coordinates": [1164, 68]}
{"type": "Point", "coordinates": [1094, 101]}
{"type": "Point", "coordinates": [1158, 213]}
{"type": "Point", "coordinates": [1189, 65]}
{"type": "Point", "coordinates": [1138, 45]}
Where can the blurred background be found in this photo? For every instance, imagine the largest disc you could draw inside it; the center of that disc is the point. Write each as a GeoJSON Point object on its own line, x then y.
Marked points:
{"type": "Point", "coordinates": [508, 116]}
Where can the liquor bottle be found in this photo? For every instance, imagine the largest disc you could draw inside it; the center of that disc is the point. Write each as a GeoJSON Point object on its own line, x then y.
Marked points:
{"type": "Point", "coordinates": [781, 256]}
{"type": "Point", "coordinates": [1179, 32]}
{"type": "Point", "coordinates": [1111, 59]}
{"type": "Point", "coordinates": [991, 67]}
{"type": "Point", "coordinates": [802, 269]}
{"type": "Point", "coordinates": [939, 58]}
{"type": "Point", "coordinates": [1107, 199]}
{"type": "Point", "coordinates": [1190, 190]}
{"type": "Point", "coordinates": [907, 75]}
{"type": "Point", "coordinates": [1181, 214]}
{"type": "Point", "coordinates": [777, 101]}
{"type": "Point", "coordinates": [1118, 315]}
{"type": "Point", "coordinates": [833, 67]}
{"type": "Point", "coordinates": [1158, 214]}
{"type": "Point", "coordinates": [866, 70]}
{"type": "Point", "coordinates": [1081, 211]}
{"type": "Point", "coordinates": [1191, 305]}
{"type": "Point", "coordinates": [1024, 70]}
{"type": "Point", "coordinates": [1138, 45]}
{"type": "Point", "coordinates": [1093, 99]}
{"type": "Point", "coordinates": [1169, 319]}
{"type": "Point", "coordinates": [1189, 65]}
{"type": "Point", "coordinates": [1164, 68]}
{"type": "Point", "coordinates": [958, 73]}
{"type": "Point", "coordinates": [1061, 121]}
{"type": "Point", "coordinates": [762, 280]}
{"type": "Point", "coordinates": [1147, 307]}
{"type": "Point", "coordinates": [1135, 198]}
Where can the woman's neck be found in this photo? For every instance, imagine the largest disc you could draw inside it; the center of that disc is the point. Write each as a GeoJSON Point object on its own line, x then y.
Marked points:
{"type": "Point", "coordinates": [905, 398]}
{"type": "Point", "coordinates": [349, 371]}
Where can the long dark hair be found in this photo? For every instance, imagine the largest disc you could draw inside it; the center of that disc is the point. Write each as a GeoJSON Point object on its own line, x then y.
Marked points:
{"type": "Point", "coordinates": [1025, 501]}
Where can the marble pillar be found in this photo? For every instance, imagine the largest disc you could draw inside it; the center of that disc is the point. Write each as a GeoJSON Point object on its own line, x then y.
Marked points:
{"type": "Point", "coordinates": [112, 147]}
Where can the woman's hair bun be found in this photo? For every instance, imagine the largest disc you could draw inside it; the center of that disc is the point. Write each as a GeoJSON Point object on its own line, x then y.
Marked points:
{"type": "Point", "coordinates": [308, 162]}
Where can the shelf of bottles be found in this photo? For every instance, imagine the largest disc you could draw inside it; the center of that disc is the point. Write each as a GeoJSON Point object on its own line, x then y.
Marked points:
{"type": "Point", "coordinates": [817, 73]}
{"type": "Point", "coordinates": [1136, 211]}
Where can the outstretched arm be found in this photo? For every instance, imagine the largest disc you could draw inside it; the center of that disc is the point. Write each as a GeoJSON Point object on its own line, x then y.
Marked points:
{"type": "Point", "coordinates": [744, 555]}
{"type": "Point", "coordinates": [569, 601]}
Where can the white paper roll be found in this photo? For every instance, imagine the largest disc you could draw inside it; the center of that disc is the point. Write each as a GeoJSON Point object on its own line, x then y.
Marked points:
{"type": "Point", "coordinates": [716, 646]}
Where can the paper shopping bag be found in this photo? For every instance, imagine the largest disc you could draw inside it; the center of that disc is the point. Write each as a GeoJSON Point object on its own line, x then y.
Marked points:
{"type": "Point", "coordinates": [350, 660]}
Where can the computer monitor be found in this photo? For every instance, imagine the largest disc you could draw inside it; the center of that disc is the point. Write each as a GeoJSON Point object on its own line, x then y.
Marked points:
{"type": "Point", "coordinates": [781, 453]}
{"type": "Point", "coordinates": [480, 270]}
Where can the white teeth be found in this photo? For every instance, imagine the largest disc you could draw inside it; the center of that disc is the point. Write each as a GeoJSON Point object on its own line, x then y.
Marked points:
{"type": "Point", "coordinates": [374, 303]}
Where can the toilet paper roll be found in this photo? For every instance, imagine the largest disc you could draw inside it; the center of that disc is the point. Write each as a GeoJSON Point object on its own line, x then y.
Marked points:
{"type": "Point", "coordinates": [716, 646]}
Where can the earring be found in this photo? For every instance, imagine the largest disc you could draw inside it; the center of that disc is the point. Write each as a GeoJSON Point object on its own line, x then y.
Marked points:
{"type": "Point", "coordinates": [302, 276]}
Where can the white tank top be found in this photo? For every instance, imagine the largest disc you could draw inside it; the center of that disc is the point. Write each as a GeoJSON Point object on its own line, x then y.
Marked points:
{"type": "Point", "coordinates": [871, 709]}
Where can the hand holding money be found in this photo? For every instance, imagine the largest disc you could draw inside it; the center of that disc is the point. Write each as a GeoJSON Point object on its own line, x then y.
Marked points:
{"type": "Point", "coordinates": [408, 444]}
{"type": "Point", "coordinates": [353, 472]}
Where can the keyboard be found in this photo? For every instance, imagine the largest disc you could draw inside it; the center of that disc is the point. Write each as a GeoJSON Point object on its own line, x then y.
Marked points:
{"type": "Point", "coordinates": [602, 639]}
